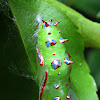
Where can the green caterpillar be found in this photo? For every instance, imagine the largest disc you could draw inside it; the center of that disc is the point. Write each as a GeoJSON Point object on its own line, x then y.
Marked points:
{"type": "Point", "coordinates": [54, 66]}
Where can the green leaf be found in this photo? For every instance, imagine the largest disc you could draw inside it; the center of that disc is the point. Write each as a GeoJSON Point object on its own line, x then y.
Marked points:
{"type": "Point", "coordinates": [25, 12]}
{"type": "Point", "coordinates": [93, 59]}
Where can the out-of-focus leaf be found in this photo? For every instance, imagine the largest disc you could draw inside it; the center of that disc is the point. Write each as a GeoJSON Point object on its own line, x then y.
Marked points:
{"type": "Point", "coordinates": [88, 7]}
{"type": "Point", "coordinates": [98, 15]}
{"type": "Point", "coordinates": [93, 60]}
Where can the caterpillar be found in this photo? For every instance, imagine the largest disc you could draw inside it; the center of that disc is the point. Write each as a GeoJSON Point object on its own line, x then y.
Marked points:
{"type": "Point", "coordinates": [54, 66]}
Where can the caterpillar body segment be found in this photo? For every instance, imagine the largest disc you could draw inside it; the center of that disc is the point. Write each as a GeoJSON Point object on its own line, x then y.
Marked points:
{"type": "Point", "coordinates": [54, 73]}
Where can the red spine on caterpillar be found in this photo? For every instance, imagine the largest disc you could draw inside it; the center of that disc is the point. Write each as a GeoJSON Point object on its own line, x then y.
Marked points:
{"type": "Point", "coordinates": [49, 33]}
{"type": "Point", "coordinates": [56, 23]}
{"type": "Point", "coordinates": [42, 89]}
{"type": "Point", "coordinates": [50, 20]}
{"type": "Point", "coordinates": [46, 24]}
{"type": "Point", "coordinates": [59, 31]}
{"type": "Point", "coordinates": [67, 61]}
{"type": "Point", "coordinates": [61, 40]}
{"type": "Point", "coordinates": [43, 21]}
{"type": "Point", "coordinates": [68, 97]}
{"type": "Point", "coordinates": [40, 57]}
{"type": "Point", "coordinates": [68, 55]}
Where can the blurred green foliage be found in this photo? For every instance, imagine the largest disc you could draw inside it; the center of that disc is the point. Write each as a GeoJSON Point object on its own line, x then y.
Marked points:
{"type": "Point", "coordinates": [93, 60]}
{"type": "Point", "coordinates": [89, 8]}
